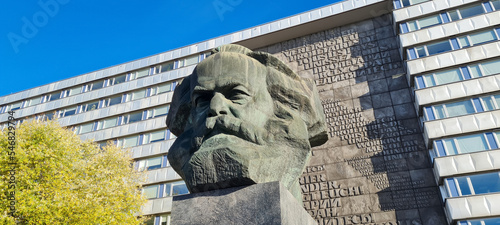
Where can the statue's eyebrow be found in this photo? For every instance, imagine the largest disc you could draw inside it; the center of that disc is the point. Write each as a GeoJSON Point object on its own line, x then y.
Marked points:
{"type": "Point", "coordinates": [200, 89]}
{"type": "Point", "coordinates": [227, 86]}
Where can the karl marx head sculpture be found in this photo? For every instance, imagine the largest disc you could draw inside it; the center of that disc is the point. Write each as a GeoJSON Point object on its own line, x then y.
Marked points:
{"type": "Point", "coordinates": [242, 118]}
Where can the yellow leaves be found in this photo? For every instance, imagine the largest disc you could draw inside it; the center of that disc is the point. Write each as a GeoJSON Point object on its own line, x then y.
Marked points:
{"type": "Point", "coordinates": [63, 180]}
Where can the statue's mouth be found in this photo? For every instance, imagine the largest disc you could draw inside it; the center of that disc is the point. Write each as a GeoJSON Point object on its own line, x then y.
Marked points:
{"type": "Point", "coordinates": [229, 125]}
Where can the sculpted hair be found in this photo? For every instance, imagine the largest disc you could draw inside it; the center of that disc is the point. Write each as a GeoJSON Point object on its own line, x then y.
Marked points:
{"type": "Point", "coordinates": [288, 90]}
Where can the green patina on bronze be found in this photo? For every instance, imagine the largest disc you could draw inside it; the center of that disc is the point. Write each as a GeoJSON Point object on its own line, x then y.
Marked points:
{"type": "Point", "coordinates": [242, 118]}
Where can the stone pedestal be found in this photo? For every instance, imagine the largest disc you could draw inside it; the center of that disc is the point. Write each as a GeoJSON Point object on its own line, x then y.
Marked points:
{"type": "Point", "coordinates": [268, 203]}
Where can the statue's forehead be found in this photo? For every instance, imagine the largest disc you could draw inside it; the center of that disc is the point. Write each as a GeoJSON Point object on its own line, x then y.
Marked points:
{"type": "Point", "coordinates": [227, 68]}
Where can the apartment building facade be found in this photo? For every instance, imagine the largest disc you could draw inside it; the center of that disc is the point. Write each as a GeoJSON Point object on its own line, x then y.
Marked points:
{"type": "Point", "coordinates": [411, 91]}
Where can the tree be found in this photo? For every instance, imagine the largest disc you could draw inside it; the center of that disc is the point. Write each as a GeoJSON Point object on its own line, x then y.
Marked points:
{"type": "Point", "coordinates": [60, 179]}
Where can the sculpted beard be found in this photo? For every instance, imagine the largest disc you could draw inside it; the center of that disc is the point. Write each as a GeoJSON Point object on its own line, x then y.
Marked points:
{"type": "Point", "coordinates": [221, 166]}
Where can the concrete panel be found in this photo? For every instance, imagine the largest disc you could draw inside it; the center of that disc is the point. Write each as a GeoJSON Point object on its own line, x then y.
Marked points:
{"type": "Point", "coordinates": [473, 207]}
{"type": "Point", "coordinates": [426, 8]}
{"type": "Point", "coordinates": [453, 91]}
{"type": "Point", "coordinates": [476, 53]}
{"type": "Point", "coordinates": [157, 206]}
{"type": "Point", "coordinates": [460, 125]}
{"type": "Point", "coordinates": [152, 149]}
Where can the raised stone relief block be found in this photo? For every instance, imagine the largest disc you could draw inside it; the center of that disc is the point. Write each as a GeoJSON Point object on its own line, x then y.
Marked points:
{"type": "Point", "coordinates": [263, 203]}
{"type": "Point", "coordinates": [375, 167]}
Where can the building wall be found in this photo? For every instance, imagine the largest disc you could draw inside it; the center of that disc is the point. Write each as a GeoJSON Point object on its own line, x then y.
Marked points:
{"type": "Point", "coordinates": [388, 159]}
{"type": "Point", "coordinates": [462, 141]}
{"type": "Point", "coordinates": [375, 167]}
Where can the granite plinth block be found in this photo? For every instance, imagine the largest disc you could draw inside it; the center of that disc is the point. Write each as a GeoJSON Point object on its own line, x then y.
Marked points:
{"type": "Point", "coordinates": [265, 203]}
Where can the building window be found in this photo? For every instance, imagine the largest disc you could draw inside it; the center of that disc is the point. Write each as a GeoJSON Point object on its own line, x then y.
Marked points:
{"type": "Point", "coordinates": [166, 67]}
{"type": "Point", "coordinates": [453, 44]}
{"type": "Point", "coordinates": [118, 80]}
{"type": "Point", "coordinates": [422, 23]}
{"type": "Point", "coordinates": [48, 116]}
{"type": "Point", "coordinates": [477, 38]}
{"type": "Point", "coordinates": [488, 221]}
{"type": "Point", "coordinates": [496, 4]}
{"type": "Point", "coordinates": [33, 101]}
{"type": "Point", "coordinates": [404, 3]}
{"type": "Point", "coordinates": [473, 184]}
{"type": "Point", "coordinates": [114, 100]}
{"type": "Point", "coordinates": [90, 106]}
{"type": "Point", "coordinates": [154, 137]}
{"type": "Point", "coordinates": [165, 190]}
{"type": "Point", "coordinates": [138, 94]}
{"type": "Point", "coordinates": [151, 191]}
{"type": "Point", "coordinates": [85, 128]}
{"type": "Point", "coordinates": [166, 87]}
{"type": "Point", "coordinates": [458, 74]}
{"type": "Point", "coordinates": [139, 73]}
{"type": "Point", "coordinates": [130, 141]}
{"type": "Point", "coordinates": [469, 106]}
{"type": "Point", "coordinates": [96, 85]}
{"type": "Point", "coordinates": [452, 15]}
{"type": "Point", "coordinates": [150, 164]}
{"type": "Point", "coordinates": [165, 219]}
{"type": "Point", "coordinates": [15, 106]}
{"type": "Point", "coordinates": [191, 60]}
{"type": "Point", "coordinates": [157, 112]}
{"type": "Point", "coordinates": [175, 188]}
{"type": "Point", "coordinates": [107, 123]}
{"type": "Point", "coordinates": [490, 68]}
{"type": "Point", "coordinates": [468, 11]}
{"type": "Point", "coordinates": [150, 221]}
{"type": "Point", "coordinates": [67, 112]}
{"type": "Point", "coordinates": [53, 96]}
{"type": "Point", "coordinates": [75, 91]}
{"type": "Point", "coordinates": [466, 144]}
{"type": "Point", "coordinates": [133, 117]}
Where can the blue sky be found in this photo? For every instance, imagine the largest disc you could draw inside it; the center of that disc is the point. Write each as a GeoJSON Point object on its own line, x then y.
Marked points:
{"type": "Point", "coordinates": [49, 40]}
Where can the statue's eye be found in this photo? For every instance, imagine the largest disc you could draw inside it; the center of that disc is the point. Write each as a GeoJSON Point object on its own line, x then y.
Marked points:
{"type": "Point", "coordinates": [239, 96]}
{"type": "Point", "coordinates": [202, 100]}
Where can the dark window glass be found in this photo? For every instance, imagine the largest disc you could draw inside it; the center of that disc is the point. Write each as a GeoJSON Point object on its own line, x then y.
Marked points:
{"type": "Point", "coordinates": [120, 79]}
{"type": "Point", "coordinates": [464, 185]}
{"type": "Point", "coordinates": [98, 85]}
{"type": "Point", "coordinates": [70, 112]}
{"type": "Point", "coordinates": [49, 116]}
{"type": "Point", "coordinates": [454, 15]}
{"type": "Point", "coordinates": [135, 117]}
{"type": "Point", "coordinates": [92, 106]}
{"type": "Point", "coordinates": [55, 96]}
{"type": "Point", "coordinates": [421, 52]}
{"type": "Point", "coordinates": [179, 189]}
{"type": "Point", "coordinates": [439, 47]}
{"type": "Point", "coordinates": [485, 183]}
{"type": "Point", "coordinates": [167, 67]}
{"type": "Point", "coordinates": [496, 4]}
{"type": "Point", "coordinates": [471, 11]}
{"type": "Point", "coordinates": [115, 100]}
{"type": "Point", "coordinates": [492, 221]}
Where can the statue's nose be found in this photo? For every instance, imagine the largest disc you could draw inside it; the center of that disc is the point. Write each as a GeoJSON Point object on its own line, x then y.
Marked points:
{"type": "Point", "coordinates": [218, 105]}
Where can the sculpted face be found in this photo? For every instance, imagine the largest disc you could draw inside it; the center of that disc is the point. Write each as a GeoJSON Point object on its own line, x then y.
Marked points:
{"type": "Point", "coordinates": [232, 103]}
{"type": "Point", "coordinates": [237, 125]}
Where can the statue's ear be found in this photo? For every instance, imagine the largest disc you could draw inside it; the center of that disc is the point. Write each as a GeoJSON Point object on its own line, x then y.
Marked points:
{"type": "Point", "coordinates": [312, 110]}
{"type": "Point", "coordinates": [180, 108]}
{"type": "Point", "coordinates": [317, 128]}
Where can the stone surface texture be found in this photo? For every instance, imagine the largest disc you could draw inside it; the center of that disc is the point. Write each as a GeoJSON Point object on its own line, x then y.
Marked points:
{"type": "Point", "coordinates": [264, 203]}
{"type": "Point", "coordinates": [375, 168]}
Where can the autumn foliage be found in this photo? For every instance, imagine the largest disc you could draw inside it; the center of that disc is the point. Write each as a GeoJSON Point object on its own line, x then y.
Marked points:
{"type": "Point", "coordinates": [60, 179]}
